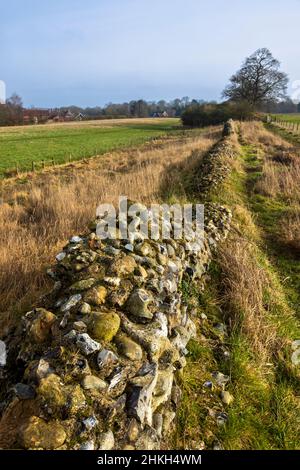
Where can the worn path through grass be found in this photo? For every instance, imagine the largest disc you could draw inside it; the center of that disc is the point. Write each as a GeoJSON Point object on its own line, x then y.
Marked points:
{"type": "Point", "coordinates": [248, 319]}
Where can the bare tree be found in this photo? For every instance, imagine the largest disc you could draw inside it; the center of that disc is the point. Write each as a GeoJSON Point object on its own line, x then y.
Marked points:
{"type": "Point", "coordinates": [15, 100]}
{"type": "Point", "coordinates": [259, 80]}
{"type": "Point", "coordinates": [15, 109]}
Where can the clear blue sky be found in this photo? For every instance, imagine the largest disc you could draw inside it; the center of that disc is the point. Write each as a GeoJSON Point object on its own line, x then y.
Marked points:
{"type": "Point", "coordinates": [90, 52]}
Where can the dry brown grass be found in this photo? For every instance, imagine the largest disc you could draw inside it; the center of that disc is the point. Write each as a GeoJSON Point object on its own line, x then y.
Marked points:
{"type": "Point", "coordinates": [290, 230]}
{"type": "Point", "coordinates": [281, 165]}
{"type": "Point", "coordinates": [245, 283]}
{"type": "Point", "coordinates": [37, 220]}
{"type": "Point", "coordinates": [281, 180]}
{"type": "Point", "coordinates": [254, 133]}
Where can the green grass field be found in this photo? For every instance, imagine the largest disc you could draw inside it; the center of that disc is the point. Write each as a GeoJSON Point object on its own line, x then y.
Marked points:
{"type": "Point", "coordinates": [20, 146]}
{"type": "Point", "coordinates": [288, 117]}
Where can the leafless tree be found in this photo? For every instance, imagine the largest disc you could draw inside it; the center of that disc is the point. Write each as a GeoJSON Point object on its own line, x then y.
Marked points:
{"type": "Point", "coordinates": [259, 80]}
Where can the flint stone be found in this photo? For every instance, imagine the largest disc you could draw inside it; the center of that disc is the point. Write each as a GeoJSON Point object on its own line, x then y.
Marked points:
{"type": "Point", "coordinates": [76, 239]}
{"type": "Point", "coordinates": [38, 370]}
{"type": "Point", "coordinates": [80, 326]}
{"type": "Point", "coordinates": [158, 423]}
{"type": "Point", "coordinates": [85, 308]}
{"type": "Point", "coordinates": [93, 383]}
{"type": "Point", "coordinates": [41, 327]}
{"type": "Point", "coordinates": [147, 440]}
{"type": "Point", "coordinates": [71, 302]}
{"type": "Point", "coordinates": [168, 419]}
{"type": "Point", "coordinates": [133, 430]}
{"type": "Point", "coordinates": [163, 388]}
{"type": "Point", "coordinates": [129, 348]}
{"type": "Point", "coordinates": [86, 344]}
{"type": "Point", "coordinates": [3, 354]}
{"type": "Point", "coordinates": [123, 266]}
{"type": "Point", "coordinates": [89, 423]}
{"type": "Point", "coordinates": [112, 281]}
{"type": "Point", "coordinates": [106, 358]}
{"type": "Point", "coordinates": [139, 398]}
{"type": "Point", "coordinates": [52, 390]}
{"type": "Point", "coordinates": [106, 441]}
{"type": "Point", "coordinates": [37, 434]}
{"type": "Point", "coordinates": [61, 256]}
{"type": "Point", "coordinates": [24, 392]}
{"type": "Point", "coordinates": [96, 295]}
{"type": "Point", "coordinates": [220, 378]}
{"type": "Point", "coordinates": [116, 378]}
{"type": "Point", "coordinates": [138, 303]}
{"type": "Point", "coordinates": [88, 445]}
{"type": "Point", "coordinates": [152, 337]}
{"type": "Point", "coordinates": [227, 398]}
{"type": "Point", "coordinates": [82, 285]}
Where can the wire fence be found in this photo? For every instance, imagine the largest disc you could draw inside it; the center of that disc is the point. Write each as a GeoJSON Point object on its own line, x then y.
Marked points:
{"type": "Point", "coordinates": [292, 126]}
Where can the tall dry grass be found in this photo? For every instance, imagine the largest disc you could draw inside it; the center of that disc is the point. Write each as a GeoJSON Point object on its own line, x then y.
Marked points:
{"type": "Point", "coordinates": [290, 230]}
{"type": "Point", "coordinates": [37, 220]}
{"type": "Point", "coordinates": [254, 133]}
{"type": "Point", "coordinates": [245, 284]}
{"type": "Point", "coordinates": [280, 179]}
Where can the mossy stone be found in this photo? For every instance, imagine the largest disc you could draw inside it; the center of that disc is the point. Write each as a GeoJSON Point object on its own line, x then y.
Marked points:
{"type": "Point", "coordinates": [51, 389]}
{"type": "Point", "coordinates": [37, 434]}
{"type": "Point", "coordinates": [129, 348]}
{"type": "Point", "coordinates": [123, 266]}
{"type": "Point", "coordinates": [96, 295]}
{"type": "Point", "coordinates": [104, 326]}
{"type": "Point", "coordinates": [77, 399]}
{"type": "Point", "coordinates": [93, 383]}
{"type": "Point", "coordinates": [41, 327]}
{"type": "Point", "coordinates": [82, 285]}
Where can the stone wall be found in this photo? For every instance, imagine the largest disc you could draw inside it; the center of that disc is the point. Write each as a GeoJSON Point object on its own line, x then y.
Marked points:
{"type": "Point", "coordinates": [96, 365]}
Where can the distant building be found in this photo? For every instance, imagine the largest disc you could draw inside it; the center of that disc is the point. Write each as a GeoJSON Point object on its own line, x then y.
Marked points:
{"type": "Point", "coordinates": [164, 114]}
{"type": "Point", "coordinates": [36, 116]}
{"type": "Point", "coordinates": [80, 117]}
{"type": "Point", "coordinates": [62, 116]}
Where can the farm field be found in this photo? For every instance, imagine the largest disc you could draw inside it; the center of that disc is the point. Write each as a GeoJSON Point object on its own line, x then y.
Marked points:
{"type": "Point", "coordinates": [288, 126]}
{"type": "Point", "coordinates": [288, 117]}
{"type": "Point", "coordinates": [58, 143]}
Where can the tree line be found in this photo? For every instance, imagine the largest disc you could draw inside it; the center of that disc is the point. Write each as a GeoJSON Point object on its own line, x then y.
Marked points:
{"type": "Point", "coordinates": [13, 112]}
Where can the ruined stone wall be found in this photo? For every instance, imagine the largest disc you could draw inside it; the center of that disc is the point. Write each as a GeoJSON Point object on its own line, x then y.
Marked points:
{"type": "Point", "coordinates": [96, 366]}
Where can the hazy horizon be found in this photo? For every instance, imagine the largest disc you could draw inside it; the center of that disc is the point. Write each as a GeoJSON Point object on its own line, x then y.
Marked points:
{"type": "Point", "coordinates": [68, 53]}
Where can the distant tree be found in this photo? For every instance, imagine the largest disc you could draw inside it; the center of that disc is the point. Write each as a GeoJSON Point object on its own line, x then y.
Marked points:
{"type": "Point", "coordinates": [259, 80]}
{"type": "Point", "coordinates": [298, 108]}
{"type": "Point", "coordinates": [15, 101]}
{"type": "Point", "coordinates": [14, 109]}
{"type": "Point", "coordinates": [139, 108]}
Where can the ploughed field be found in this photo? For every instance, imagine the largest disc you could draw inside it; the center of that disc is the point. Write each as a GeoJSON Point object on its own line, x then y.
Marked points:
{"type": "Point", "coordinates": [23, 148]}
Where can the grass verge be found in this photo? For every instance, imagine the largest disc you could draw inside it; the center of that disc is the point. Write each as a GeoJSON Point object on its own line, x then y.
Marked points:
{"type": "Point", "coordinates": [253, 291]}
